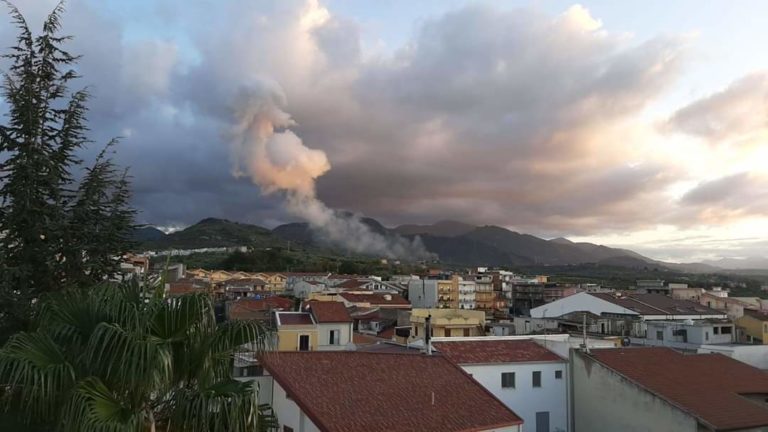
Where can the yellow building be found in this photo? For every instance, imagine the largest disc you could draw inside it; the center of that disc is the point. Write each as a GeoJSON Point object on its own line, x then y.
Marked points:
{"type": "Point", "coordinates": [448, 322]}
{"type": "Point", "coordinates": [275, 281]}
{"type": "Point", "coordinates": [447, 294]}
{"type": "Point", "coordinates": [753, 327]}
{"type": "Point", "coordinates": [296, 331]}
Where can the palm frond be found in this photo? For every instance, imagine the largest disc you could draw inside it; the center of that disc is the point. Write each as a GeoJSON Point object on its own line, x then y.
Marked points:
{"type": "Point", "coordinates": [36, 370]}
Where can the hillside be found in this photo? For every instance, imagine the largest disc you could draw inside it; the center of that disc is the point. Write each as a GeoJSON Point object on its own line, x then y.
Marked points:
{"type": "Point", "coordinates": [446, 228]}
{"type": "Point", "coordinates": [212, 232]}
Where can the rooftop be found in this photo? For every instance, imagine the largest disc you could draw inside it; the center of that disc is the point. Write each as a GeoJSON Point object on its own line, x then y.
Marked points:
{"type": "Point", "coordinates": [328, 311]}
{"type": "Point", "coordinates": [655, 304]}
{"type": "Point", "coordinates": [711, 387]}
{"type": "Point", "coordinates": [411, 392]}
{"type": "Point", "coordinates": [294, 318]}
{"type": "Point", "coordinates": [375, 298]}
{"type": "Point", "coordinates": [495, 351]}
{"type": "Point", "coordinates": [249, 308]}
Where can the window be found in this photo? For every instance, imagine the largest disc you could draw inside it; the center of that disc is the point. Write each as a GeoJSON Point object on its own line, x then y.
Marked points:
{"type": "Point", "coordinates": [250, 371]}
{"type": "Point", "coordinates": [507, 380]}
{"type": "Point", "coordinates": [660, 334]}
{"type": "Point", "coordinates": [558, 374]}
{"type": "Point", "coordinates": [537, 379]}
{"type": "Point", "coordinates": [303, 342]}
{"type": "Point", "coordinates": [727, 330]}
{"type": "Point", "coordinates": [706, 335]}
{"type": "Point", "coordinates": [415, 330]}
{"type": "Point", "coordinates": [333, 337]}
{"type": "Point", "coordinates": [716, 330]}
{"type": "Point", "coordinates": [466, 332]}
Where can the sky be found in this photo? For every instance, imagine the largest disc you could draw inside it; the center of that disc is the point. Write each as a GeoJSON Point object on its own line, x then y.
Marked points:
{"type": "Point", "coordinates": [632, 124]}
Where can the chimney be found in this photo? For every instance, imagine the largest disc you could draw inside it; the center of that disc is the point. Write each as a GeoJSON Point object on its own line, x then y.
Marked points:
{"type": "Point", "coordinates": [428, 333]}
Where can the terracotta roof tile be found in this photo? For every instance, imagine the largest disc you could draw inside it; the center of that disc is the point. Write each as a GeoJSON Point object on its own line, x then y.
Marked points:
{"type": "Point", "coordinates": [495, 351]}
{"type": "Point", "coordinates": [328, 311]}
{"type": "Point", "coordinates": [709, 386]}
{"type": "Point", "coordinates": [334, 390]}
{"type": "Point", "coordinates": [249, 308]}
{"type": "Point", "coordinates": [295, 318]}
{"type": "Point", "coordinates": [376, 299]}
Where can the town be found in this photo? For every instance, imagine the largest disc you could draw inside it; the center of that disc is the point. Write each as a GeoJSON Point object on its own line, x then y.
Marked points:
{"type": "Point", "coordinates": [535, 355]}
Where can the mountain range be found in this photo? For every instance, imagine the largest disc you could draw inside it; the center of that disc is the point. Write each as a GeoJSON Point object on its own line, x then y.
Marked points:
{"type": "Point", "coordinates": [453, 242]}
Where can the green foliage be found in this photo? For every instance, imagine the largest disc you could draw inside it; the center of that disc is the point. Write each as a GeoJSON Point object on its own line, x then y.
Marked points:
{"type": "Point", "coordinates": [56, 231]}
{"type": "Point", "coordinates": [116, 357]}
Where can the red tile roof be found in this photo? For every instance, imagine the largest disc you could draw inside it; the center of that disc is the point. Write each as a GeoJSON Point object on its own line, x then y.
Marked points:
{"type": "Point", "coordinates": [411, 392]}
{"type": "Point", "coordinates": [495, 351]}
{"type": "Point", "coordinates": [352, 284]}
{"type": "Point", "coordinates": [249, 308]}
{"type": "Point", "coordinates": [708, 386]}
{"type": "Point", "coordinates": [328, 311]}
{"type": "Point", "coordinates": [364, 339]}
{"type": "Point", "coordinates": [294, 318]}
{"type": "Point", "coordinates": [374, 298]}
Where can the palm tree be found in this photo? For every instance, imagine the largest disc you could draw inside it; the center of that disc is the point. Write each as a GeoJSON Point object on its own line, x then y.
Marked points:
{"type": "Point", "coordinates": [119, 357]}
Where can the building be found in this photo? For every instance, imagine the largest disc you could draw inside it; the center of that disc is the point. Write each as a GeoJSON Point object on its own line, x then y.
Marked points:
{"type": "Point", "coordinates": [753, 327]}
{"type": "Point", "coordinates": [652, 286]}
{"type": "Point", "coordinates": [334, 325]}
{"type": "Point", "coordinates": [371, 299]}
{"type": "Point", "coordinates": [424, 293]}
{"type": "Point", "coordinates": [447, 323]}
{"type": "Point", "coordinates": [447, 294]}
{"type": "Point", "coordinates": [466, 290]}
{"type": "Point", "coordinates": [531, 380]}
{"type": "Point", "coordinates": [187, 286]}
{"type": "Point", "coordinates": [702, 332]}
{"type": "Point", "coordinates": [320, 326]}
{"type": "Point", "coordinates": [662, 390]}
{"type": "Point", "coordinates": [484, 293]}
{"type": "Point", "coordinates": [625, 313]}
{"type": "Point", "coordinates": [303, 289]}
{"type": "Point", "coordinates": [241, 287]}
{"type": "Point", "coordinates": [276, 282]}
{"type": "Point", "coordinates": [378, 392]}
{"type": "Point", "coordinates": [257, 309]}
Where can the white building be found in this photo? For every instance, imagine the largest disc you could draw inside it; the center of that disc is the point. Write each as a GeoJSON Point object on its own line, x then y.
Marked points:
{"type": "Point", "coordinates": [423, 293]}
{"type": "Point", "coordinates": [703, 332]}
{"type": "Point", "coordinates": [648, 389]}
{"type": "Point", "coordinates": [303, 288]}
{"type": "Point", "coordinates": [467, 290]}
{"type": "Point", "coordinates": [530, 379]}
{"type": "Point", "coordinates": [378, 392]}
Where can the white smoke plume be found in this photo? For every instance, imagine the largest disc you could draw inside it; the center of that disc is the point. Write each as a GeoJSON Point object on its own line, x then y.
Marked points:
{"type": "Point", "coordinates": [276, 159]}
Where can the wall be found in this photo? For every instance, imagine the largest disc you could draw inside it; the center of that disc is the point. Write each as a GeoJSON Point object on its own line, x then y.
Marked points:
{"type": "Point", "coordinates": [753, 327]}
{"type": "Point", "coordinates": [288, 413]}
{"type": "Point", "coordinates": [288, 337]}
{"type": "Point", "coordinates": [753, 355]}
{"type": "Point", "coordinates": [603, 400]}
{"type": "Point", "coordinates": [323, 336]}
{"type": "Point", "coordinates": [423, 293]}
{"type": "Point", "coordinates": [525, 400]}
{"type": "Point", "coordinates": [695, 334]}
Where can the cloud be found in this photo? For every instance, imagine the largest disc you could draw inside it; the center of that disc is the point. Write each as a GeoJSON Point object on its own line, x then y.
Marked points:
{"type": "Point", "coordinates": [739, 113]}
{"type": "Point", "coordinates": [511, 117]}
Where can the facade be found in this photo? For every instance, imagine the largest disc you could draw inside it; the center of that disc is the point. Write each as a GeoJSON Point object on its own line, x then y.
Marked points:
{"type": "Point", "coordinates": [423, 293]}
{"type": "Point", "coordinates": [275, 281]}
{"type": "Point", "coordinates": [334, 325]}
{"type": "Point", "coordinates": [529, 379]}
{"type": "Point", "coordinates": [447, 294]}
{"type": "Point", "coordinates": [663, 390]}
{"type": "Point", "coordinates": [447, 323]}
{"type": "Point", "coordinates": [753, 327]}
{"type": "Point", "coordinates": [303, 289]}
{"type": "Point", "coordinates": [244, 287]}
{"type": "Point", "coordinates": [380, 392]}
{"type": "Point", "coordinates": [626, 314]}
{"type": "Point", "coordinates": [484, 294]}
{"type": "Point", "coordinates": [296, 331]}
{"type": "Point", "coordinates": [466, 290]}
{"type": "Point", "coordinates": [320, 326]}
{"type": "Point", "coordinates": [652, 286]}
{"type": "Point", "coordinates": [691, 332]}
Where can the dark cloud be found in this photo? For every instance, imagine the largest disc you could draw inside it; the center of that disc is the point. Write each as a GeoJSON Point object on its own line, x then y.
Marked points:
{"type": "Point", "coordinates": [490, 116]}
